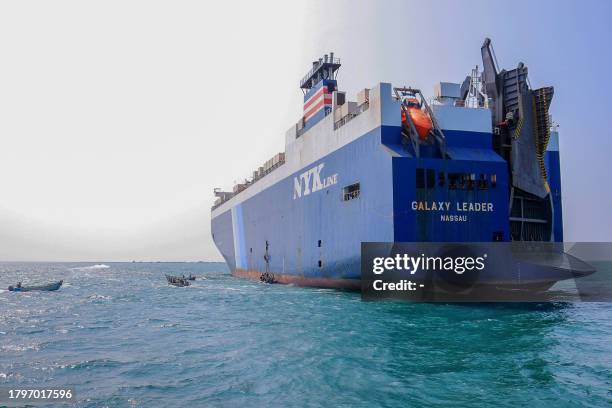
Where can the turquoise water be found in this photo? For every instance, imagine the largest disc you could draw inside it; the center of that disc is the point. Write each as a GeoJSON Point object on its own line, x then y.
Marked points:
{"type": "Point", "coordinates": [122, 337]}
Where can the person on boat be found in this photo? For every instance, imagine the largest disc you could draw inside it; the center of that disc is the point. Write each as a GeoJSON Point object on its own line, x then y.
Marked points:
{"type": "Point", "coordinates": [509, 121]}
{"type": "Point", "coordinates": [18, 285]}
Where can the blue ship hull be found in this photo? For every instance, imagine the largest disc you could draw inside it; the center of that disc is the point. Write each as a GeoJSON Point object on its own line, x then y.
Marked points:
{"type": "Point", "coordinates": [316, 239]}
{"type": "Point", "coordinates": [348, 182]}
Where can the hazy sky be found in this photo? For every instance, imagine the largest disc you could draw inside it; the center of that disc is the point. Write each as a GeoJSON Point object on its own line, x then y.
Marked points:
{"type": "Point", "coordinates": [118, 118]}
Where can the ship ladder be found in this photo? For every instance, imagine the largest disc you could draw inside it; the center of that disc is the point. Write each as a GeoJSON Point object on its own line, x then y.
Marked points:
{"type": "Point", "coordinates": [541, 102]}
{"type": "Point", "coordinates": [518, 129]}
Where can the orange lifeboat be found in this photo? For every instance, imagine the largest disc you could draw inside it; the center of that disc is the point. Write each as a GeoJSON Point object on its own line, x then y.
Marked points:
{"type": "Point", "coordinates": [420, 119]}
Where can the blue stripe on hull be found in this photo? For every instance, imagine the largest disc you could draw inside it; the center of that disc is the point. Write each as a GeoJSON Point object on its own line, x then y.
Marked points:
{"type": "Point", "coordinates": [240, 255]}
{"type": "Point", "coordinates": [553, 169]}
{"type": "Point", "coordinates": [223, 237]}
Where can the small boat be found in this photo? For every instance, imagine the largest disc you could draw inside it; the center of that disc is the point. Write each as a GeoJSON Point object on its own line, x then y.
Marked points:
{"type": "Point", "coordinates": [179, 281]}
{"type": "Point", "coordinates": [267, 277]}
{"type": "Point", "coordinates": [47, 287]}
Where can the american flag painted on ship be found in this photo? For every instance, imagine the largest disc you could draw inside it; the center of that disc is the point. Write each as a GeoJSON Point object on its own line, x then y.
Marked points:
{"type": "Point", "coordinates": [317, 101]}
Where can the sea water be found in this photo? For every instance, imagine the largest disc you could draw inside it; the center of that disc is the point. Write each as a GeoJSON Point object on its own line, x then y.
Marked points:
{"type": "Point", "coordinates": [119, 335]}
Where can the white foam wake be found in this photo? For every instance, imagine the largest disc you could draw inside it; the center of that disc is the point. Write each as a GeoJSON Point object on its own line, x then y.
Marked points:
{"type": "Point", "coordinates": [91, 267]}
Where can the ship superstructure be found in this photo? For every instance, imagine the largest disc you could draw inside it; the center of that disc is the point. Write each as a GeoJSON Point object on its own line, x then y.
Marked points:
{"type": "Point", "coordinates": [477, 163]}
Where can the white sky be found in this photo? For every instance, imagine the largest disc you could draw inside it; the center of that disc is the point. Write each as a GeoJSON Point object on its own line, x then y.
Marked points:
{"type": "Point", "coordinates": [118, 118]}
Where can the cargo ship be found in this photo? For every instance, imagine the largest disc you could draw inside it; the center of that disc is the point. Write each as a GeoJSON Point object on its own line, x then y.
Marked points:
{"type": "Point", "coordinates": [478, 162]}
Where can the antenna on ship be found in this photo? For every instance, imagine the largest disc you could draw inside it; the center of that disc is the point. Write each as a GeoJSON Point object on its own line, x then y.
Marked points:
{"type": "Point", "coordinates": [476, 96]}
{"type": "Point", "coordinates": [325, 68]}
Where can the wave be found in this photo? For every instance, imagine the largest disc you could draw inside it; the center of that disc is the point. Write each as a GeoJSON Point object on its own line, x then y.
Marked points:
{"type": "Point", "coordinates": [91, 364]}
{"type": "Point", "coordinates": [91, 267]}
{"type": "Point", "coordinates": [95, 296]}
{"type": "Point", "coordinates": [16, 348]}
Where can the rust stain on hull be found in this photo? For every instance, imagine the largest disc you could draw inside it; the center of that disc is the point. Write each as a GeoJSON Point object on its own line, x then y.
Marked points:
{"type": "Point", "coordinates": [352, 284]}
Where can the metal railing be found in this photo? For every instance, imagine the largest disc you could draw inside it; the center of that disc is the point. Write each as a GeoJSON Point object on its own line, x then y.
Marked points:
{"type": "Point", "coordinates": [346, 119]}
{"type": "Point", "coordinates": [247, 184]}
{"type": "Point", "coordinates": [316, 67]}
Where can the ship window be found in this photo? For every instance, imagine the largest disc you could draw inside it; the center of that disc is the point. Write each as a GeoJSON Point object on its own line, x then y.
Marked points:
{"type": "Point", "coordinates": [493, 180]}
{"type": "Point", "coordinates": [320, 263]}
{"type": "Point", "coordinates": [471, 181]}
{"type": "Point", "coordinates": [351, 192]}
{"type": "Point", "coordinates": [482, 182]}
{"type": "Point", "coordinates": [441, 179]}
{"type": "Point", "coordinates": [453, 180]}
{"type": "Point", "coordinates": [420, 178]}
{"type": "Point", "coordinates": [431, 178]}
{"type": "Point", "coordinates": [462, 181]}
{"type": "Point", "coordinates": [251, 250]}
{"type": "Point", "coordinates": [319, 244]}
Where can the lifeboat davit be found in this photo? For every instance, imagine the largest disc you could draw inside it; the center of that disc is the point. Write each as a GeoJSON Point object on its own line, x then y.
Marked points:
{"type": "Point", "coordinates": [420, 119]}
